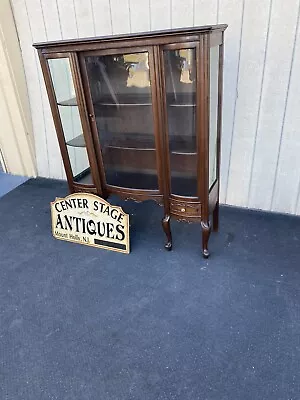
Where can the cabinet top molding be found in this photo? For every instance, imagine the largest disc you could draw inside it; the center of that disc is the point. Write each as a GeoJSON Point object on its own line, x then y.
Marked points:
{"type": "Point", "coordinates": [70, 43]}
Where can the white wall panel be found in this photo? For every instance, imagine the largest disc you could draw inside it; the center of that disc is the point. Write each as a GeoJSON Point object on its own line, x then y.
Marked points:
{"type": "Point", "coordinates": [261, 139]}
{"type": "Point", "coordinates": [273, 103]}
{"type": "Point", "coordinates": [37, 18]}
{"type": "Point", "coordinates": [182, 13]}
{"type": "Point", "coordinates": [53, 32]}
{"type": "Point", "coordinates": [66, 10]}
{"type": "Point", "coordinates": [252, 55]}
{"type": "Point", "coordinates": [288, 172]}
{"type": "Point", "coordinates": [102, 17]}
{"type": "Point", "coordinates": [205, 12]}
{"type": "Point", "coordinates": [297, 202]}
{"type": "Point", "coordinates": [51, 19]}
{"type": "Point", "coordinates": [120, 16]}
{"type": "Point", "coordinates": [84, 18]}
{"type": "Point", "coordinates": [139, 15]}
{"type": "Point", "coordinates": [231, 13]}
{"type": "Point", "coordinates": [34, 86]}
{"type": "Point", "coordinates": [160, 17]}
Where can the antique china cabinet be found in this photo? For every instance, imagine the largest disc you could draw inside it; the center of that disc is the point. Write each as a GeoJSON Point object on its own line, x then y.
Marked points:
{"type": "Point", "coordinates": [140, 116]}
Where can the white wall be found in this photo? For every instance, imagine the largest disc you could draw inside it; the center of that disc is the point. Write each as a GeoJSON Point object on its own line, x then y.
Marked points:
{"type": "Point", "coordinates": [261, 114]}
{"type": "Point", "coordinates": [16, 134]}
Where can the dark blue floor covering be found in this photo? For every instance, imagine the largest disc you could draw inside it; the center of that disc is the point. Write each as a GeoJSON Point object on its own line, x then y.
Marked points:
{"type": "Point", "coordinates": [83, 323]}
{"type": "Point", "coordinates": [9, 182]}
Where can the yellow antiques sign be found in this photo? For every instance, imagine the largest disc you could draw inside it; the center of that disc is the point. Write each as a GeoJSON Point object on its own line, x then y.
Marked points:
{"type": "Point", "coordinates": [87, 219]}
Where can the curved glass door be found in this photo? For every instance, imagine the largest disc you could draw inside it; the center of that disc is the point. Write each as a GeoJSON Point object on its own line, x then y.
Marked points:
{"type": "Point", "coordinates": [213, 114]}
{"type": "Point", "coordinates": [180, 84]}
{"type": "Point", "coordinates": [63, 85]}
{"type": "Point", "coordinates": [120, 87]}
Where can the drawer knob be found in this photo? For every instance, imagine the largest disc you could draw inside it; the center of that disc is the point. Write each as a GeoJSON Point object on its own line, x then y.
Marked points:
{"type": "Point", "coordinates": [182, 210]}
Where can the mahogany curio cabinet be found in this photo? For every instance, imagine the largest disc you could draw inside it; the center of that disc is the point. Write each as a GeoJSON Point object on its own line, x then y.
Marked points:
{"type": "Point", "coordinates": [140, 116]}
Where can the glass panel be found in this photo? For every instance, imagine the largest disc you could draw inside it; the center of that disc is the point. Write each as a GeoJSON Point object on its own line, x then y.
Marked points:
{"type": "Point", "coordinates": [67, 105]}
{"type": "Point", "coordinates": [180, 72]}
{"type": "Point", "coordinates": [121, 94]}
{"type": "Point", "coordinates": [213, 115]}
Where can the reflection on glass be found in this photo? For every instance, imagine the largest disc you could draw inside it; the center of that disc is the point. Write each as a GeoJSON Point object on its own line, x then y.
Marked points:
{"type": "Point", "coordinates": [66, 100]}
{"type": "Point", "coordinates": [213, 118]}
{"type": "Point", "coordinates": [121, 94]}
{"type": "Point", "coordinates": [180, 73]}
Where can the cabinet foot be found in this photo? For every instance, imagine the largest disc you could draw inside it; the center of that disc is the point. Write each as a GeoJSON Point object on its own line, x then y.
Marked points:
{"type": "Point", "coordinates": [216, 218]}
{"type": "Point", "coordinates": [206, 228]}
{"type": "Point", "coordinates": [166, 227]}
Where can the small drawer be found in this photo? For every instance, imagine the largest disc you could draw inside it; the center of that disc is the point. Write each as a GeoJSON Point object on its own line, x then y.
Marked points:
{"type": "Point", "coordinates": [185, 209]}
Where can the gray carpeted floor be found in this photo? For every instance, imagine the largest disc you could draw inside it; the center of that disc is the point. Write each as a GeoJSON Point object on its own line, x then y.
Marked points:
{"type": "Point", "coordinates": [83, 323]}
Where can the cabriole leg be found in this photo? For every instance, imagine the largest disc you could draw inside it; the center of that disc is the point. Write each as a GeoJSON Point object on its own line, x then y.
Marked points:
{"type": "Point", "coordinates": [216, 218]}
{"type": "Point", "coordinates": [205, 237]}
{"type": "Point", "coordinates": [166, 227]}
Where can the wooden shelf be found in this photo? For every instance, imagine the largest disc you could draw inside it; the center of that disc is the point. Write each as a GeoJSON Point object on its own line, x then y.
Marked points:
{"type": "Point", "coordinates": [78, 141]}
{"type": "Point", "coordinates": [70, 102]}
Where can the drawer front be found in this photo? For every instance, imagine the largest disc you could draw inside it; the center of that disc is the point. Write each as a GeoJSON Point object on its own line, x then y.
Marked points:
{"type": "Point", "coordinates": [182, 208]}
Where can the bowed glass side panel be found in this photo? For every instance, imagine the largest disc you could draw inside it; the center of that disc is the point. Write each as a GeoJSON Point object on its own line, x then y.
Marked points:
{"type": "Point", "coordinates": [66, 100]}
{"type": "Point", "coordinates": [213, 114]}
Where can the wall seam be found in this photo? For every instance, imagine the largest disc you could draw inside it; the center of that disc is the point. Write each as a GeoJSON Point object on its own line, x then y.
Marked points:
{"type": "Point", "coordinates": [284, 112]}
{"type": "Point", "coordinates": [75, 15]}
{"type": "Point", "coordinates": [259, 104]}
{"type": "Point", "coordinates": [32, 139]}
{"type": "Point", "coordinates": [150, 22]}
{"type": "Point", "coordinates": [2, 90]}
{"type": "Point", "coordinates": [59, 21]}
{"type": "Point", "coordinates": [43, 16]}
{"type": "Point", "coordinates": [62, 169]}
{"type": "Point", "coordinates": [236, 99]}
{"type": "Point", "coordinates": [194, 7]}
{"type": "Point", "coordinates": [93, 17]}
{"type": "Point", "coordinates": [38, 77]}
{"type": "Point", "coordinates": [129, 17]}
{"type": "Point", "coordinates": [111, 22]}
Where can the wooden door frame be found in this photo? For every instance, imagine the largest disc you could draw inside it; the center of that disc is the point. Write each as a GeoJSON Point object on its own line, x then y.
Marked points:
{"type": "Point", "coordinates": [125, 192]}
{"type": "Point", "coordinates": [72, 57]}
{"type": "Point", "coordinates": [164, 126]}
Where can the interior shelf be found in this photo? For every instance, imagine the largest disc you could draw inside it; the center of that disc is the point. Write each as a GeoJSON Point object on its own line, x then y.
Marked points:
{"type": "Point", "coordinates": [139, 142]}
{"type": "Point", "coordinates": [181, 100]}
{"type": "Point", "coordinates": [69, 102]}
{"type": "Point", "coordinates": [132, 100]}
{"type": "Point", "coordinates": [78, 141]}
{"type": "Point", "coordinates": [127, 100]}
{"type": "Point", "coordinates": [143, 141]}
{"type": "Point", "coordinates": [127, 141]}
{"type": "Point", "coordinates": [184, 153]}
{"type": "Point", "coordinates": [84, 177]}
{"type": "Point", "coordinates": [182, 105]}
